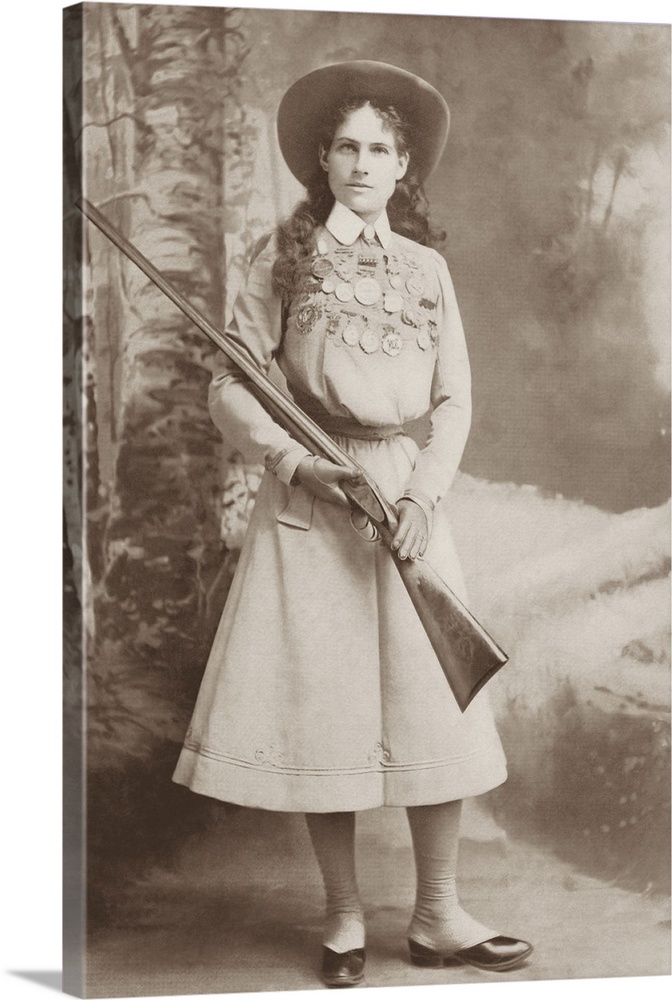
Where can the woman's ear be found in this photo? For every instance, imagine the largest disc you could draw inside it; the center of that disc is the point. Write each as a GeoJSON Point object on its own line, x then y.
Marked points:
{"type": "Point", "coordinates": [323, 158]}
{"type": "Point", "coordinates": [403, 166]}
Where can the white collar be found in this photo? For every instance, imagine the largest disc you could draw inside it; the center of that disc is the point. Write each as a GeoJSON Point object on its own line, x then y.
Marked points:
{"type": "Point", "coordinates": [346, 226]}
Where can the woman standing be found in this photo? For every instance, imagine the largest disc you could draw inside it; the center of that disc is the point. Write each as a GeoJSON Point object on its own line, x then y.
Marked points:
{"type": "Point", "coordinates": [322, 693]}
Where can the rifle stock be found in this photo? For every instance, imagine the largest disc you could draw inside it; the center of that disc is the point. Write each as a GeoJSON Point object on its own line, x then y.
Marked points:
{"type": "Point", "coordinates": [468, 655]}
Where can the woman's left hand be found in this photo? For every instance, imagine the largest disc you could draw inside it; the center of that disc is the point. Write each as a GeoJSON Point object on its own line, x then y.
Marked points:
{"type": "Point", "coordinates": [412, 534]}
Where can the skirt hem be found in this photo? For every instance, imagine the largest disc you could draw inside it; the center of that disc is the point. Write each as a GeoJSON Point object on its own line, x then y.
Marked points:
{"type": "Point", "coordinates": [339, 792]}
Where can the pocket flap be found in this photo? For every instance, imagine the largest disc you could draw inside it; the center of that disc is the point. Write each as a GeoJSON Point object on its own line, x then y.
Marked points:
{"type": "Point", "coordinates": [299, 511]}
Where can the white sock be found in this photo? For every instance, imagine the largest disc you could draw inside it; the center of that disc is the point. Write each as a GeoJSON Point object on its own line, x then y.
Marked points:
{"type": "Point", "coordinates": [438, 921]}
{"type": "Point", "coordinates": [333, 838]}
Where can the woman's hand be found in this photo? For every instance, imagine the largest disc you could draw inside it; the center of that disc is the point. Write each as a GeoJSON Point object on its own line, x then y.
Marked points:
{"type": "Point", "coordinates": [322, 477]}
{"type": "Point", "coordinates": [413, 531]}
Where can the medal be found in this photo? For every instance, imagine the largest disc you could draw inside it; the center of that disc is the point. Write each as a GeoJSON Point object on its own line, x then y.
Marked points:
{"type": "Point", "coordinates": [322, 267]}
{"type": "Point", "coordinates": [306, 317]}
{"type": "Point", "coordinates": [369, 341]}
{"type": "Point", "coordinates": [322, 246]}
{"type": "Point", "coordinates": [345, 264]}
{"type": "Point", "coordinates": [367, 291]}
{"type": "Point", "coordinates": [396, 281]}
{"type": "Point", "coordinates": [410, 317]}
{"type": "Point", "coordinates": [392, 343]}
{"type": "Point", "coordinates": [333, 326]}
{"type": "Point", "coordinates": [350, 335]}
{"type": "Point", "coordinates": [330, 284]}
{"type": "Point", "coordinates": [311, 286]}
{"type": "Point", "coordinates": [344, 291]}
{"type": "Point", "coordinates": [423, 340]}
{"type": "Point", "coordinates": [392, 302]}
{"type": "Point", "coordinates": [366, 263]}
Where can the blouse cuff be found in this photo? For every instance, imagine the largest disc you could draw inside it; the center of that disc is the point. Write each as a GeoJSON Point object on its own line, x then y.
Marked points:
{"type": "Point", "coordinates": [420, 498]}
{"type": "Point", "coordinates": [285, 462]}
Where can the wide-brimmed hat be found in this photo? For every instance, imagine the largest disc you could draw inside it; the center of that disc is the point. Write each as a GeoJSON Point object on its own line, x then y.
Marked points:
{"type": "Point", "coordinates": [312, 97]}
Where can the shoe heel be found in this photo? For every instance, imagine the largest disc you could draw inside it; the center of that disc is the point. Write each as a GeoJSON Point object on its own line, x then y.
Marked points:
{"type": "Point", "coordinates": [427, 961]}
{"type": "Point", "coordinates": [425, 957]}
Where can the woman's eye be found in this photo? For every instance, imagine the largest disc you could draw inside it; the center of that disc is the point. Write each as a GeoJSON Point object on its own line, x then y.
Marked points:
{"type": "Point", "coordinates": [380, 149]}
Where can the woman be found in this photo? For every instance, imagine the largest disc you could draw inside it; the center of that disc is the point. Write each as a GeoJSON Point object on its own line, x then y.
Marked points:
{"type": "Point", "coordinates": [322, 694]}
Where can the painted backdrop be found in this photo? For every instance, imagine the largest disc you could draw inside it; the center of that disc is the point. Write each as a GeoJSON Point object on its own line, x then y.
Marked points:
{"type": "Point", "coordinates": [554, 196]}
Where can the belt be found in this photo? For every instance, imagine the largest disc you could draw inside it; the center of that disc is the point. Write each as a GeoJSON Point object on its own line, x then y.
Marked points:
{"type": "Point", "coordinates": [298, 512]}
{"type": "Point", "coordinates": [343, 426]}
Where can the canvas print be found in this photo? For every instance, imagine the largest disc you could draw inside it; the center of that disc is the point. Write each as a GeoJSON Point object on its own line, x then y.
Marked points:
{"type": "Point", "coordinates": [367, 505]}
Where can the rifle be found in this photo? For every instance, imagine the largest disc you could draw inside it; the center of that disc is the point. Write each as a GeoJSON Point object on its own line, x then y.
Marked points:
{"type": "Point", "coordinates": [468, 655]}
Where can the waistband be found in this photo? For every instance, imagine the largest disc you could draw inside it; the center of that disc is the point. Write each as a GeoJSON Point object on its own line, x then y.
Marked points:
{"type": "Point", "coordinates": [345, 426]}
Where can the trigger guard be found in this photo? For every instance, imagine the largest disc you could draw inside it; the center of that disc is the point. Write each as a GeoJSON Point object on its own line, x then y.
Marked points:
{"type": "Point", "coordinates": [368, 532]}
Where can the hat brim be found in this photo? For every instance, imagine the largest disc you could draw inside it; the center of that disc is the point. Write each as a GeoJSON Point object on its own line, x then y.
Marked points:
{"type": "Point", "coordinates": [311, 98]}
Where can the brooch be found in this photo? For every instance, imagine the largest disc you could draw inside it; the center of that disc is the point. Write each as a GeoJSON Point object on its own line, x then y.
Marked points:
{"type": "Point", "coordinates": [307, 317]}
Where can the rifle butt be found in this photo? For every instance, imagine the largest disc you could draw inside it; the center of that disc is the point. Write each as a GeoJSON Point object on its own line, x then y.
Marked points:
{"type": "Point", "coordinates": [468, 655]}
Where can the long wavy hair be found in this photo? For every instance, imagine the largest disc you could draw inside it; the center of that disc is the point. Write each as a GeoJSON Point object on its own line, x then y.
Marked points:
{"type": "Point", "coordinates": [407, 209]}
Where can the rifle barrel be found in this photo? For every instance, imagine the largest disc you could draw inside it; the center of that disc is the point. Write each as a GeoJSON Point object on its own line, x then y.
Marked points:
{"type": "Point", "coordinates": [467, 653]}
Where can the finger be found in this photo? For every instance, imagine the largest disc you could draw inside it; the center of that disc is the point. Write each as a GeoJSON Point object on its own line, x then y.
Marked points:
{"type": "Point", "coordinates": [359, 519]}
{"type": "Point", "coordinates": [401, 532]}
{"type": "Point", "coordinates": [340, 497]}
{"type": "Point", "coordinates": [331, 494]}
{"type": "Point", "coordinates": [417, 545]}
{"type": "Point", "coordinates": [408, 544]}
{"type": "Point", "coordinates": [328, 472]}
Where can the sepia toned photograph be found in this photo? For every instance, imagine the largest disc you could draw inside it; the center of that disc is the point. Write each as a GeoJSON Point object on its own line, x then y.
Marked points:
{"type": "Point", "coordinates": [366, 508]}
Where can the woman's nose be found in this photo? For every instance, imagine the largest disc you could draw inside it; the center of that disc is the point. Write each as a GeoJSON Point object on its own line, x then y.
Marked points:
{"type": "Point", "coordinates": [362, 162]}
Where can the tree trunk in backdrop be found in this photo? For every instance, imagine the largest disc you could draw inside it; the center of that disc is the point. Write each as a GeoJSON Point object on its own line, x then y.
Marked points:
{"type": "Point", "coordinates": [164, 552]}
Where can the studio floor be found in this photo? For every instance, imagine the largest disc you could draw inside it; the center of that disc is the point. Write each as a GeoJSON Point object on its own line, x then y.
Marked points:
{"type": "Point", "coordinates": [241, 911]}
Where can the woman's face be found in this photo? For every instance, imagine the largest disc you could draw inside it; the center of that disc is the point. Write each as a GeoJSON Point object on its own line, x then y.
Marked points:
{"type": "Point", "coordinates": [363, 164]}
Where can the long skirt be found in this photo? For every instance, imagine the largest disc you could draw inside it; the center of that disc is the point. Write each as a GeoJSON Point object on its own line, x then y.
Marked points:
{"type": "Point", "coordinates": [322, 692]}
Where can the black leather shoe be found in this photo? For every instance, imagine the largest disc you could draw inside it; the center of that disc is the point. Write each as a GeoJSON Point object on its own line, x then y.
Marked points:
{"type": "Point", "coordinates": [498, 954]}
{"type": "Point", "coordinates": [346, 969]}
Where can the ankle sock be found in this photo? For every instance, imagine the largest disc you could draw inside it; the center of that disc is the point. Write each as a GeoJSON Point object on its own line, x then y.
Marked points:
{"type": "Point", "coordinates": [333, 838]}
{"type": "Point", "coordinates": [438, 921]}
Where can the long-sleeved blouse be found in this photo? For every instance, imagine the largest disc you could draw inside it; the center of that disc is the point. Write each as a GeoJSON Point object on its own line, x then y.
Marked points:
{"type": "Point", "coordinates": [374, 340]}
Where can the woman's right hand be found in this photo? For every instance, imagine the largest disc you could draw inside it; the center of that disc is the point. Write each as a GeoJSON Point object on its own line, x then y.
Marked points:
{"type": "Point", "coordinates": [321, 478]}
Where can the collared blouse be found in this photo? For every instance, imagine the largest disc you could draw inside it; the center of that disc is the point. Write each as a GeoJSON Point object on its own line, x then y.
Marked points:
{"type": "Point", "coordinates": [374, 335]}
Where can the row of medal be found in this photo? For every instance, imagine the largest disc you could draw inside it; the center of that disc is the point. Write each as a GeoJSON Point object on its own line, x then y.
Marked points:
{"type": "Point", "coordinates": [343, 328]}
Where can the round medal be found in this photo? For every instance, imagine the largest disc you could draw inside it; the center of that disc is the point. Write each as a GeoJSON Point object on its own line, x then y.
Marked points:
{"type": "Point", "coordinates": [392, 302]}
{"type": "Point", "coordinates": [396, 281]}
{"type": "Point", "coordinates": [410, 317]}
{"type": "Point", "coordinates": [367, 291]}
{"type": "Point", "coordinates": [344, 291]}
{"type": "Point", "coordinates": [423, 340]}
{"type": "Point", "coordinates": [392, 343]}
{"type": "Point", "coordinates": [330, 284]}
{"type": "Point", "coordinates": [322, 246]}
{"type": "Point", "coordinates": [322, 267]}
{"type": "Point", "coordinates": [350, 335]}
{"type": "Point", "coordinates": [369, 341]}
